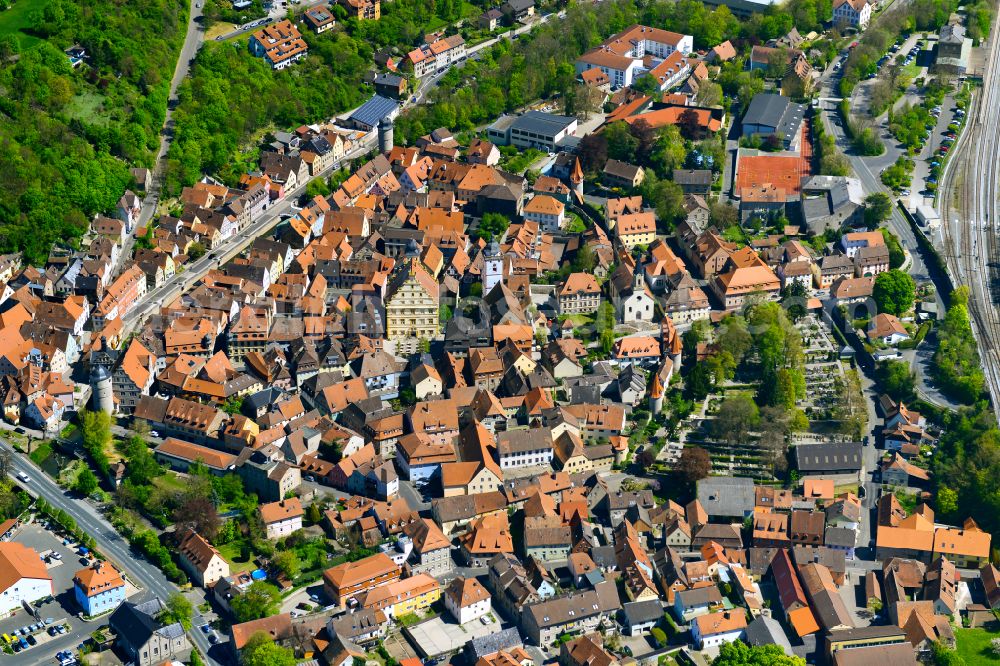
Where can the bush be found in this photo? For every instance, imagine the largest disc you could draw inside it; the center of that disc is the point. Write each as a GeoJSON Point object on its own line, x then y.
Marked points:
{"type": "Point", "coordinates": [659, 636]}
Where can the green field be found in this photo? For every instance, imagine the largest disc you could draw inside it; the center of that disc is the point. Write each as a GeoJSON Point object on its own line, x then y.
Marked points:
{"type": "Point", "coordinates": [15, 19]}
{"type": "Point", "coordinates": [973, 645]}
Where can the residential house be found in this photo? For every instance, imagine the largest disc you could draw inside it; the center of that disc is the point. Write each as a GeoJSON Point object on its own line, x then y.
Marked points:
{"type": "Point", "coordinates": [851, 14]}
{"type": "Point", "coordinates": [715, 629]}
{"type": "Point", "coordinates": [578, 294]}
{"type": "Point", "coordinates": [363, 10]}
{"type": "Point", "coordinates": [402, 597]}
{"type": "Point", "coordinates": [431, 549]}
{"type": "Point", "coordinates": [689, 604]}
{"type": "Point", "coordinates": [525, 448]}
{"type": "Point", "coordinates": [281, 518]}
{"type": "Point", "coordinates": [547, 212]}
{"type": "Point", "coordinates": [622, 174]}
{"type": "Point", "coordinates": [345, 582]}
{"type": "Point", "coordinates": [201, 560]}
{"type": "Point", "coordinates": [319, 19]}
{"type": "Point", "coordinates": [577, 612]}
{"type": "Point", "coordinates": [26, 580]}
{"type": "Point", "coordinates": [635, 229]}
{"type": "Point", "coordinates": [142, 639]}
{"type": "Point", "coordinates": [280, 44]}
{"type": "Point", "coordinates": [98, 588]}
{"type": "Point", "coordinates": [467, 600]}
{"type": "Point", "coordinates": [888, 329]}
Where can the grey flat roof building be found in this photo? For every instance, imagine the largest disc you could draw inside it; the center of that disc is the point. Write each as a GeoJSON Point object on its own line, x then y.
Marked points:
{"type": "Point", "coordinates": [534, 129]}
{"type": "Point", "coordinates": [769, 113]}
{"type": "Point", "coordinates": [726, 496]}
{"type": "Point", "coordinates": [368, 114]}
{"type": "Point", "coordinates": [831, 457]}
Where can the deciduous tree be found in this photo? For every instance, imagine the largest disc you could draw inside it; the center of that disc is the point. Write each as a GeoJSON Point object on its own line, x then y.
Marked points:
{"type": "Point", "coordinates": [894, 292]}
{"type": "Point", "coordinates": [261, 650]}
{"type": "Point", "coordinates": [259, 600]}
{"type": "Point", "coordinates": [694, 464]}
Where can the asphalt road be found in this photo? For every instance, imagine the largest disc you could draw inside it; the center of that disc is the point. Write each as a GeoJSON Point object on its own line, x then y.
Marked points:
{"type": "Point", "coordinates": [192, 42]}
{"type": "Point", "coordinates": [109, 542]}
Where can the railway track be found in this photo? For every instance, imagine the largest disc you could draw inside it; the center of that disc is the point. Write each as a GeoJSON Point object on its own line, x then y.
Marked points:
{"type": "Point", "coordinates": [969, 220]}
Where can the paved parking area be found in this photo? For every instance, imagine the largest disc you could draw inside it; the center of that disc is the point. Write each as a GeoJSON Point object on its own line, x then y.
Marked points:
{"type": "Point", "coordinates": [62, 608]}
{"type": "Point", "coordinates": [438, 635]}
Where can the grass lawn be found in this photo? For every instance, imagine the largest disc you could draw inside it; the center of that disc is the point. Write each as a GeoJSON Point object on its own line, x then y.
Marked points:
{"type": "Point", "coordinates": [217, 29]}
{"type": "Point", "coordinates": [15, 20]}
{"type": "Point", "coordinates": [910, 71]}
{"type": "Point", "coordinates": [576, 225]}
{"type": "Point", "coordinates": [231, 553]}
{"type": "Point", "coordinates": [577, 319]}
{"type": "Point", "coordinates": [907, 501]}
{"type": "Point", "coordinates": [734, 234]}
{"type": "Point", "coordinates": [973, 645]}
{"type": "Point", "coordinates": [40, 452]}
{"type": "Point", "coordinates": [170, 481]}
{"type": "Point", "coordinates": [848, 488]}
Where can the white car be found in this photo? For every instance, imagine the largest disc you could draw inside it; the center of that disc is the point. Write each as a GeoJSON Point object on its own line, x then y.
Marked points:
{"type": "Point", "coordinates": [24, 477]}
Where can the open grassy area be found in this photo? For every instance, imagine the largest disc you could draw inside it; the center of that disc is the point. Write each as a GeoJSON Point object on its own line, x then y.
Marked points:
{"type": "Point", "coordinates": [218, 29]}
{"type": "Point", "coordinates": [15, 20]}
{"type": "Point", "coordinates": [88, 108]}
{"type": "Point", "coordinates": [847, 488]}
{"type": "Point", "coordinates": [911, 71]}
{"type": "Point", "coordinates": [170, 481]}
{"type": "Point", "coordinates": [973, 645]}
{"type": "Point", "coordinates": [231, 553]}
{"type": "Point", "coordinates": [41, 452]}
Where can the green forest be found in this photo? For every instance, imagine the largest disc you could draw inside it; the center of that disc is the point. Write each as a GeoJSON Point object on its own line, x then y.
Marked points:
{"type": "Point", "coordinates": [70, 135]}
{"type": "Point", "coordinates": [231, 97]}
{"type": "Point", "coordinates": [540, 65]}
